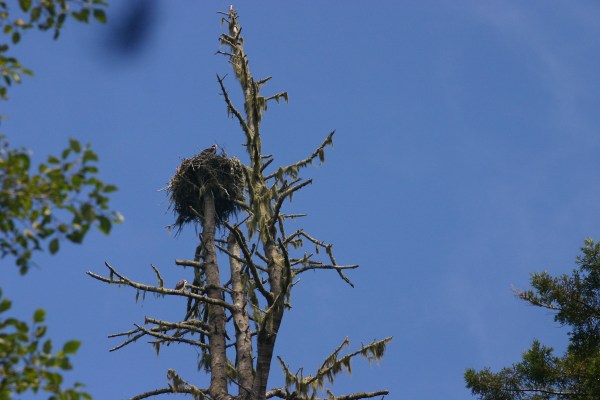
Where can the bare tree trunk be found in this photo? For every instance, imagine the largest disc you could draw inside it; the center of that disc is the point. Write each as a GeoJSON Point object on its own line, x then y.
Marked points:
{"type": "Point", "coordinates": [268, 333]}
{"type": "Point", "coordinates": [243, 336]}
{"type": "Point", "coordinates": [216, 313]}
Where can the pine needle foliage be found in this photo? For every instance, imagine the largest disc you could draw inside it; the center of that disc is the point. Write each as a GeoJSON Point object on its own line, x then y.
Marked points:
{"type": "Point", "coordinates": [575, 301]}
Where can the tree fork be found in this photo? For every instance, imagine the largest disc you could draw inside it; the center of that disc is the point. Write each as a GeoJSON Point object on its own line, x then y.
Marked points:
{"type": "Point", "coordinates": [241, 322]}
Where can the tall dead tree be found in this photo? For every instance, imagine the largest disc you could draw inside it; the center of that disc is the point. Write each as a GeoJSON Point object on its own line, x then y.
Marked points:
{"type": "Point", "coordinates": [242, 308]}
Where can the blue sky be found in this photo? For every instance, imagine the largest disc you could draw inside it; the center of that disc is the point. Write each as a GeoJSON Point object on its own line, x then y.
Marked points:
{"type": "Point", "coordinates": [466, 157]}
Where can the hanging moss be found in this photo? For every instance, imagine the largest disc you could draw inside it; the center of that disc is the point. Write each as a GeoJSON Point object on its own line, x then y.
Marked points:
{"type": "Point", "coordinates": [202, 174]}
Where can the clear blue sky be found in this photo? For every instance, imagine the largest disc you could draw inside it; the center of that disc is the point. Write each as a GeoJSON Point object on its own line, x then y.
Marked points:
{"type": "Point", "coordinates": [466, 156]}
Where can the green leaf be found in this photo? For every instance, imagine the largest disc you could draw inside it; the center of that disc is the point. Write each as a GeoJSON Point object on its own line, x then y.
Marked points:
{"type": "Point", "coordinates": [59, 22]}
{"type": "Point", "coordinates": [65, 364]}
{"type": "Point", "coordinates": [66, 153]}
{"type": "Point", "coordinates": [5, 305]}
{"type": "Point", "coordinates": [82, 15]}
{"type": "Point", "coordinates": [89, 155]}
{"type": "Point", "coordinates": [88, 212]}
{"type": "Point", "coordinates": [75, 145]}
{"type": "Point", "coordinates": [16, 38]}
{"type": "Point", "coordinates": [48, 346]}
{"type": "Point", "coordinates": [76, 236]}
{"type": "Point", "coordinates": [25, 5]}
{"type": "Point", "coordinates": [54, 245]}
{"type": "Point", "coordinates": [105, 224]}
{"type": "Point", "coordinates": [100, 15]}
{"type": "Point", "coordinates": [36, 13]}
{"type": "Point", "coordinates": [109, 189]}
{"type": "Point", "coordinates": [39, 316]}
{"type": "Point", "coordinates": [71, 346]}
{"type": "Point", "coordinates": [22, 161]}
{"type": "Point", "coordinates": [40, 331]}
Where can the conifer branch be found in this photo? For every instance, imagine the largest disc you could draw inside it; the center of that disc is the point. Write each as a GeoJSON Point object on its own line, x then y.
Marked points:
{"type": "Point", "coordinates": [332, 365]}
{"type": "Point", "coordinates": [276, 97]}
{"type": "Point", "coordinates": [292, 170]}
{"type": "Point", "coordinates": [282, 394]}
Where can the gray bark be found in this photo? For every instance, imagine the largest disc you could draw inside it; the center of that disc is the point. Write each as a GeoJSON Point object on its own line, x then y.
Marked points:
{"type": "Point", "coordinates": [216, 313]}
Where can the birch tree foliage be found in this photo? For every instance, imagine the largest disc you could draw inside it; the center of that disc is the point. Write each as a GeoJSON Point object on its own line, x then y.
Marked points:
{"type": "Point", "coordinates": [19, 17]}
{"type": "Point", "coordinates": [29, 360]}
{"type": "Point", "coordinates": [60, 200]}
{"type": "Point", "coordinates": [542, 375]}
{"type": "Point", "coordinates": [235, 308]}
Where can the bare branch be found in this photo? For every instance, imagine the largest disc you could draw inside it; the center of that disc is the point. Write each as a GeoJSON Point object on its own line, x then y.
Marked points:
{"type": "Point", "coordinates": [363, 395]}
{"type": "Point", "coordinates": [190, 263]}
{"type": "Point", "coordinates": [323, 266]}
{"type": "Point", "coordinates": [261, 82]}
{"type": "Point", "coordinates": [329, 249]}
{"type": "Point", "coordinates": [266, 164]}
{"type": "Point", "coordinates": [229, 254]}
{"type": "Point", "coordinates": [282, 394]}
{"type": "Point", "coordinates": [128, 341]}
{"type": "Point", "coordinates": [239, 238]}
{"type": "Point", "coordinates": [163, 391]}
{"type": "Point", "coordinates": [189, 325]}
{"type": "Point", "coordinates": [286, 193]}
{"type": "Point", "coordinates": [161, 282]}
{"type": "Point", "coordinates": [232, 109]}
{"type": "Point", "coordinates": [170, 338]}
{"type": "Point", "coordinates": [125, 281]}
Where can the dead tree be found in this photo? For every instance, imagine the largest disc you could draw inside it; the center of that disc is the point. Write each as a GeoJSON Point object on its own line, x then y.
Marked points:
{"type": "Point", "coordinates": [243, 307]}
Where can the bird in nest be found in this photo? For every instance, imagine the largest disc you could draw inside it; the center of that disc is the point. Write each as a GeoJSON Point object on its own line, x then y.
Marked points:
{"type": "Point", "coordinates": [181, 284]}
{"type": "Point", "coordinates": [211, 150]}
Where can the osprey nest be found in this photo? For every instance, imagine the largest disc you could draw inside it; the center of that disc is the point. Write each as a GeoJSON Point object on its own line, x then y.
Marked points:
{"type": "Point", "coordinates": [200, 175]}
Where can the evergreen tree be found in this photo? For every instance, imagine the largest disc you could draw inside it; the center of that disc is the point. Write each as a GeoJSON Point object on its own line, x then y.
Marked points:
{"type": "Point", "coordinates": [242, 308]}
{"type": "Point", "coordinates": [541, 375]}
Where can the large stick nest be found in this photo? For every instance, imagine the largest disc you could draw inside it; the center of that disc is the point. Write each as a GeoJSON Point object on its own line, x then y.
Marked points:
{"type": "Point", "coordinates": [204, 174]}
